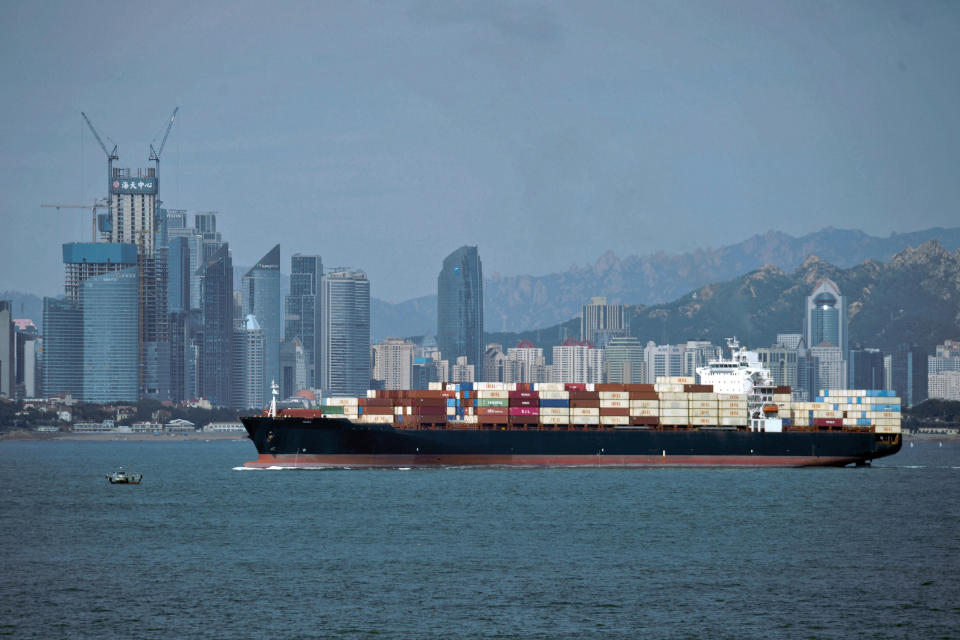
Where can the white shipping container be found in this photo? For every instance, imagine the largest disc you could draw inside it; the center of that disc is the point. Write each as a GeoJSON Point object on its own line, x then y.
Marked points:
{"type": "Point", "coordinates": [340, 402]}
{"type": "Point", "coordinates": [554, 395]}
{"type": "Point", "coordinates": [555, 411]}
{"type": "Point", "coordinates": [674, 420]}
{"type": "Point", "coordinates": [674, 404]}
{"type": "Point", "coordinates": [668, 388]}
{"type": "Point", "coordinates": [732, 396]}
{"type": "Point", "coordinates": [615, 420]}
{"type": "Point", "coordinates": [732, 404]}
{"type": "Point", "coordinates": [493, 393]}
{"type": "Point", "coordinates": [827, 414]}
{"type": "Point", "coordinates": [782, 397]}
{"type": "Point", "coordinates": [375, 419]}
{"type": "Point", "coordinates": [704, 413]}
{"type": "Point", "coordinates": [435, 386]}
{"type": "Point", "coordinates": [703, 404]}
{"type": "Point", "coordinates": [675, 380]}
{"type": "Point", "coordinates": [883, 428]}
{"type": "Point", "coordinates": [701, 421]}
{"type": "Point", "coordinates": [646, 413]}
{"type": "Point", "coordinates": [701, 395]}
{"type": "Point", "coordinates": [732, 413]}
{"type": "Point", "coordinates": [644, 404]}
{"type": "Point", "coordinates": [554, 419]}
{"type": "Point", "coordinates": [583, 411]}
{"type": "Point", "coordinates": [551, 387]}
{"type": "Point", "coordinates": [674, 412]}
{"type": "Point", "coordinates": [733, 422]}
{"type": "Point", "coordinates": [669, 395]}
{"type": "Point", "coordinates": [584, 419]}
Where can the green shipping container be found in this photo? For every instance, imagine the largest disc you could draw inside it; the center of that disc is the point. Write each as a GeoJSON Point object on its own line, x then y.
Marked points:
{"type": "Point", "coordinates": [325, 408]}
{"type": "Point", "coordinates": [493, 402]}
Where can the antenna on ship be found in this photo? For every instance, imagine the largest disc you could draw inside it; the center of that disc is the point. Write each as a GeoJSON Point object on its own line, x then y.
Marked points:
{"type": "Point", "coordinates": [275, 390]}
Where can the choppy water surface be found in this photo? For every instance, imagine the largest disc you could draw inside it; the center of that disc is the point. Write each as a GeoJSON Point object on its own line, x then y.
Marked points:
{"type": "Point", "coordinates": [204, 550]}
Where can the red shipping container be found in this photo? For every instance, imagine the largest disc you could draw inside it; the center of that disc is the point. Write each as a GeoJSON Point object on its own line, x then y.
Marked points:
{"type": "Point", "coordinates": [524, 402]}
{"type": "Point", "coordinates": [492, 411]}
{"type": "Point", "coordinates": [585, 404]}
{"type": "Point", "coordinates": [524, 411]}
{"type": "Point", "coordinates": [644, 395]}
{"type": "Point", "coordinates": [300, 413]}
{"type": "Point", "coordinates": [648, 421]}
{"type": "Point", "coordinates": [584, 395]}
{"type": "Point", "coordinates": [375, 402]}
{"type": "Point", "coordinates": [575, 386]}
{"type": "Point", "coordinates": [828, 422]}
{"type": "Point", "coordinates": [524, 420]}
{"type": "Point", "coordinates": [782, 390]}
{"type": "Point", "coordinates": [497, 420]}
{"type": "Point", "coordinates": [523, 394]}
{"type": "Point", "coordinates": [614, 412]}
{"type": "Point", "coordinates": [377, 411]}
{"type": "Point", "coordinates": [698, 388]}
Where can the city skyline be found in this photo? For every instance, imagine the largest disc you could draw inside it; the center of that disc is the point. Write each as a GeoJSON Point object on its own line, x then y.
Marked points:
{"type": "Point", "coordinates": [673, 127]}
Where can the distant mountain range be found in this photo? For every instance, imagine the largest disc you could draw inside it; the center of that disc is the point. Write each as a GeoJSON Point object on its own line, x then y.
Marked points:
{"type": "Point", "coordinates": [513, 303]}
{"type": "Point", "coordinates": [913, 299]}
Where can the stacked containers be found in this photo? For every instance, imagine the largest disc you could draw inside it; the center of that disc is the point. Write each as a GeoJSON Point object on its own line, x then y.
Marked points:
{"type": "Point", "coordinates": [674, 401]}
{"type": "Point", "coordinates": [584, 407]}
{"type": "Point", "coordinates": [732, 409]}
{"type": "Point", "coordinates": [523, 407]}
{"type": "Point", "coordinates": [614, 404]}
{"type": "Point", "coordinates": [644, 405]}
{"type": "Point", "coordinates": [702, 405]}
{"type": "Point", "coordinates": [493, 404]}
{"type": "Point", "coordinates": [554, 405]}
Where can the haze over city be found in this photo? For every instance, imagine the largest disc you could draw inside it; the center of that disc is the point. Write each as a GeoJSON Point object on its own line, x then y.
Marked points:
{"type": "Point", "coordinates": [383, 136]}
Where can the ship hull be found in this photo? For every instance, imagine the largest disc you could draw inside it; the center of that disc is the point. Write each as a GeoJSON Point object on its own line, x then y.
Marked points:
{"type": "Point", "coordinates": [338, 443]}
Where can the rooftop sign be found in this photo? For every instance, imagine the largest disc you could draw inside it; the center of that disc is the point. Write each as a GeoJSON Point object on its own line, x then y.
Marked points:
{"type": "Point", "coordinates": [136, 186]}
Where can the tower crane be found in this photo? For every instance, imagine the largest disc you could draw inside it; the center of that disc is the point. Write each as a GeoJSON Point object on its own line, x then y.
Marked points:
{"type": "Point", "coordinates": [111, 155]}
{"type": "Point", "coordinates": [101, 203]}
{"type": "Point", "coordinates": [154, 154]}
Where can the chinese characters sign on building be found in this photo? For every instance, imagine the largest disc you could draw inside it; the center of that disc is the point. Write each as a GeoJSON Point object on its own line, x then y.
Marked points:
{"type": "Point", "coordinates": [139, 186]}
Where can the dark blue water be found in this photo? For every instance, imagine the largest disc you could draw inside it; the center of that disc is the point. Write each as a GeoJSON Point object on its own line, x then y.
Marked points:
{"type": "Point", "coordinates": [201, 550]}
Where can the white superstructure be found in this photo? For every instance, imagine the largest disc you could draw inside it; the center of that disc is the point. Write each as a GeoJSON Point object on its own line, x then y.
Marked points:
{"type": "Point", "coordinates": [743, 373]}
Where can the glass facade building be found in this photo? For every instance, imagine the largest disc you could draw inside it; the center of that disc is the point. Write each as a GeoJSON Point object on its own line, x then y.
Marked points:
{"type": "Point", "coordinates": [302, 318]}
{"type": "Point", "coordinates": [460, 307]}
{"type": "Point", "coordinates": [216, 341]}
{"type": "Point", "coordinates": [826, 317]}
{"type": "Point", "coordinates": [623, 359]}
{"type": "Point", "coordinates": [111, 350]}
{"type": "Point", "coordinates": [345, 305]}
{"type": "Point", "coordinates": [261, 299]}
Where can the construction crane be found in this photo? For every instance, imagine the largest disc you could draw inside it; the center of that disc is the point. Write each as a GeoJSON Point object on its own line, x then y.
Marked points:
{"type": "Point", "coordinates": [97, 204]}
{"type": "Point", "coordinates": [111, 155]}
{"type": "Point", "coordinates": [154, 154]}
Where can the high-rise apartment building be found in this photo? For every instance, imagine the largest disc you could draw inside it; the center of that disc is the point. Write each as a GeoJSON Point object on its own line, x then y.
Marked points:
{"type": "Point", "coordinates": [393, 363]}
{"type": "Point", "coordinates": [216, 342]}
{"type": "Point", "coordinates": [460, 306]}
{"type": "Point", "coordinates": [109, 306]}
{"type": "Point", "coordinates": [663, 360]}
{"type": "Point", "coordinates": [261, 299]}
{"type": "Point", "coordinates": [345, 305]}
{"type": "Point", "coordinates": [527, 363]}
{"type": "Point", "coordinates": [624, 361]}
{"type": "Point", "coordinates": [302, 318]}
{"type": "Point", "coordinates": [830, 367]}
{"type": "Point", "coordinates": [698, 353]}
{"type": "Point", "coordinates": [574, 362]}
{"type": "Point", "coordinates": [825, 319]}
{"type": "Point", "coordinates": [944, 385]}
{"type": "Point", "coordinates": [601, 322]}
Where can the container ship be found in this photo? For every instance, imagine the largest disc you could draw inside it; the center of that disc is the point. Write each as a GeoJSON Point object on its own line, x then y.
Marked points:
{"type": "Point", "coordinates": [734, 416]}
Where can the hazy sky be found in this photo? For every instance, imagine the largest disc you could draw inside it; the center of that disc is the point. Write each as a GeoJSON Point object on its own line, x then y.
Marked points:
{"type": "Point", "coordinates": [385, 135]}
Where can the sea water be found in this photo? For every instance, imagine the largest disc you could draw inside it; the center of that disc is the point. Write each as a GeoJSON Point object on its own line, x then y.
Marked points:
{"type": "Point", "coordinates": [206, 549]}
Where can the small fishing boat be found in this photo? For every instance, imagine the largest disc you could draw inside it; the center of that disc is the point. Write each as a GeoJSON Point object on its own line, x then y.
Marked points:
{"type": "Point", "coordinates": [124, 477]}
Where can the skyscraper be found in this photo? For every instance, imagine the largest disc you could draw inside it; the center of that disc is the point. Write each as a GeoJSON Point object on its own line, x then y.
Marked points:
{"type": "Point", "coordinates": [394, 363]}
{"type": "Point", "coordinates": [302, 317]}
{"type": "Point", "coordinates": [624, 361]}
{"type": "Point", "coordinates": [345, 306]}
{"type": "Point", "coordinates": [62, 370]}
{"type": "Point", "coordinates": [261, 299]}
{"type": "Point", "coordinates": [7, 349]}
{"type": "Point", "coordinates": [248, 362]}
{"type": "Point", "coordinates": [217, 338]}
{"type": "Point", "coordinates": [601, 322]}
{"type": "Point", "coordinates": [460, 306]}
{"type": "Point", "coordinates": [825, 319]}
{"type": "Point", "coordinates": [109, 306]}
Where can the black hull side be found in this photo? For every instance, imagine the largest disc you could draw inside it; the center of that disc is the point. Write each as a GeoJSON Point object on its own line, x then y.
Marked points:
{"type": "Point", "coordinates": [339, 442]}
